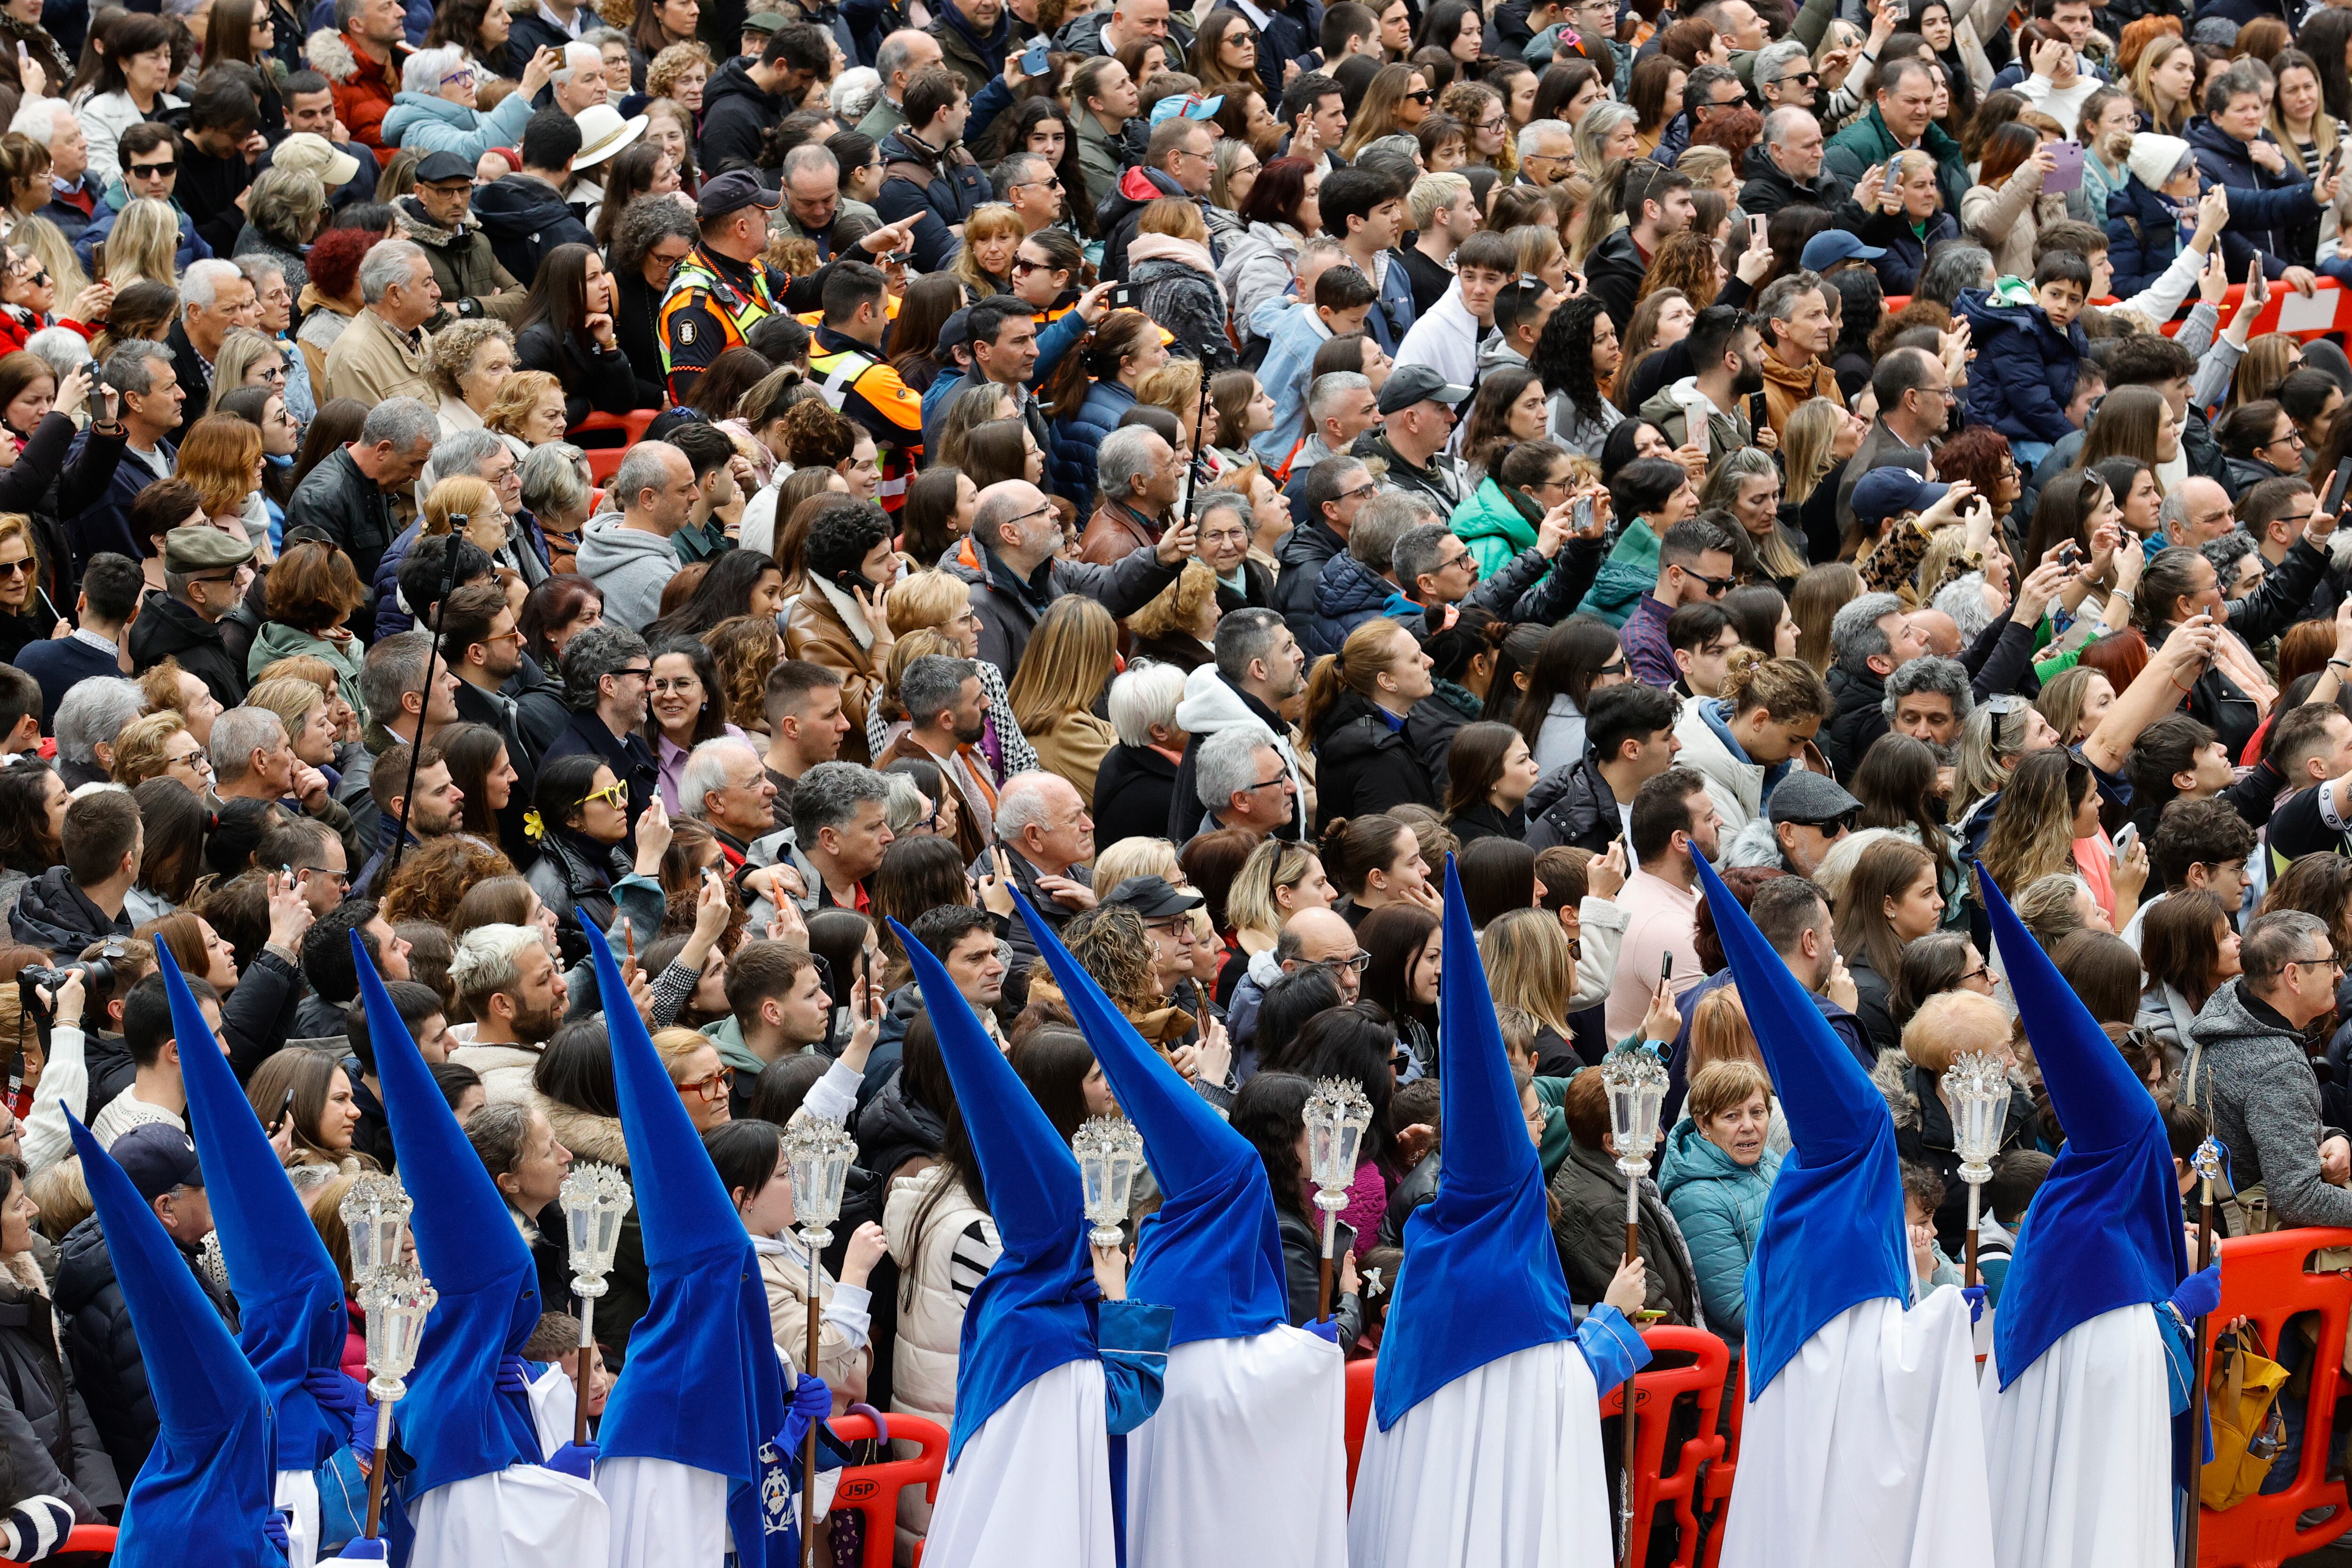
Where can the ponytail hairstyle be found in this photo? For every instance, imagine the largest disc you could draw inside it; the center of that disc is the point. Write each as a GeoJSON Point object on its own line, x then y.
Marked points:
{"type": "Point", "coordinates": [1371, 651]}
{"type": "Point", "coordinates": [1096, 358]}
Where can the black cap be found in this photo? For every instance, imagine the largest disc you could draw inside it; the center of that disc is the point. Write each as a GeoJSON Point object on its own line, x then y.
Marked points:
{"type": "Point", "coordinates": [1154, 898]}
{"type": "Point", "coordinates": [158, 1157]}
{"type": "Point", "coordinates": [734, 191]}
{"type": "Point", "coordinates": [437, 168]}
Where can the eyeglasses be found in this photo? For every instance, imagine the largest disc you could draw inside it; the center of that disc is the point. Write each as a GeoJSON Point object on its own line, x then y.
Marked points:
{"type": "Point", "coordinates": [1424, 96]}
{"type": "Point", "coordinates": [150, 171]}
{"type": "Point", "coordinates": [1357, 962]}
{"type": "Point", "coordinates": [1268, 783]}
{"type": "Point", "coordinates": [711, 1089]}
{"type": "Point", "coordinates": [2336, 965]}
{"type": "Point", "coordinates": [615, 793]}
{"type": "Point", "coordinates": [341, 879]}
{"type": "Point", "coordinates": [1496, 123]}
{"type": "Point", "coordinates": [465, 76]}
{"type": "Point", "coordinates": [1981, 972]}
{"type": "Point", "coordinates": [1367, 487]}
{"type": "Point", "coordinates": [666, 686]}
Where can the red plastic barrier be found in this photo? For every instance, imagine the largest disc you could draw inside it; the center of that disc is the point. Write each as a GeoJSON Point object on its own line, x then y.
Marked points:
{"type": "Point", "coordinates": [2266, 1279]}
{"type": "Point", "coordinates": [603, 462]}
{"type": "Point", "coordinates": [1359, 1411]}
{"type": "Point", "coordinates": [1655, 1394]}
{"type": "Point", "coordinates": [2330, 309]}
{"type": "Point", "coordinates": [872, 1490]}
{"type": "Point", "coordinates": [81, 1538]}
{"type": "Point", "coordinates": [1720, 1474]}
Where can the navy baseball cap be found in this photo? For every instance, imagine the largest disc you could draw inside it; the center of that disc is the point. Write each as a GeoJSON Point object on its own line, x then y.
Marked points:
{"type": "Point", "coordinates": [158, 1157]}
{"type": "Point", "coordinates": [1883, 493]}
{"type": "Point", "coordinates": [1832, 246]}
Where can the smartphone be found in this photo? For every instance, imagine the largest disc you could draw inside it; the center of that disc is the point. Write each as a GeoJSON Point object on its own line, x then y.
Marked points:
{"type": "Point", "coordinates": [1759, 412]}
{"type": "Point", "coordinates": [864, 979]}
{"type": "Point", "coordinates": [1757, 225]}
{"type": "Point", "coordinates": [2069, 552]}
{"type": "Point", "coordinates": [2067, 168]}
{"type": "Point", "coordinates": [285, 1108]}
{"type": "Point", "coordinates": [1123, 297]}
{"type": "Point", "coordinates": [1582, 516]}
{"type": "Point", "coordinates": [97, 259]}
{"type": "Point", "coordinates": [2334, 500]}
{"type": "Point", "coordinates": [1666, 966]}
{"type": "Point", "coordinates": [2335, 160]}
{"type": "Point", "coordinates": [1032, 61]}
{"type": "Point", "coordinates": [2126, 836]}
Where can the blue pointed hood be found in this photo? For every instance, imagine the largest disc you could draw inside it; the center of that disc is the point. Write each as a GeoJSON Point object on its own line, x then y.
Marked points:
{"type": "Point", "coordinates": [1481, 1278]}
{"type": "Point", "coordinates": [703, 1386]}
{"type": "Point", "coordinates": [290, 1295]}
{"type": "Point", "coordinates": [454, 1421]}
{"type": "Point", "coordinates": [1032, 1314]}
{"type": "Point", "coordinates": [2106, 1229]}
{"type": "Point", "coordinates": [1833, 1234]}
{"type": "Point", "coordinates": [1212, 1250]}
{"type": "Point", "coordinates": [211, 1474]}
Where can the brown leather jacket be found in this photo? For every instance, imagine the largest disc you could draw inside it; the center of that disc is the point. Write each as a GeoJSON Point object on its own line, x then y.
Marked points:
{"type": "Point", "coordinates": [816, 631]}
{"type": "Point", "coordinates": [1114, 533]}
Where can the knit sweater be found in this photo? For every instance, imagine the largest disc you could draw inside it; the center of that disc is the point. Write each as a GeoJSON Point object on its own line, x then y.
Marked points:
{"type": "Point", "coordinates": [2249, 1073]}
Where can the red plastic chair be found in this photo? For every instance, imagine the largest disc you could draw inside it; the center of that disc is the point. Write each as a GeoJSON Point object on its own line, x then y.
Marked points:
{"type": "Point", "coordinates": [1655, 1393]}
{"type": "Point", "coordinates": [603, 462]}
{"type": "Point", "coordinates": [1359, 1411]}
{"type": "Point", "coordinates": [81, 1538]}
{"type": "Point", "coordinates": [872, 1490]}
{"type": "Point", "coordinates": [2266, 1279]}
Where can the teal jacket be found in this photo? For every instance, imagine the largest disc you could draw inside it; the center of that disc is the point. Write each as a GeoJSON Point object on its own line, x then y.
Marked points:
{"type": "Point", "coordinates": [427, 123]}
{"type": "Point", "coordinates": [1492, 527]}
{"type": "Point", "coordinates": [1868, 141]}
{"type": "Point", "coordinates": [1719, 1204]}
{"type": "Point", "coordinates": [1630, 571]}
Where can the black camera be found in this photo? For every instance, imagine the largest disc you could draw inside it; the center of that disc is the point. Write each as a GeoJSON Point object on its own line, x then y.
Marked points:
{"type": "Point", "coordinates": [97, 980]}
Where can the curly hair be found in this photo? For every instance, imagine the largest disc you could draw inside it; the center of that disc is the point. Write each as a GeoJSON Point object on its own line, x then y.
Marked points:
{"type": "Point", "coordinates": [746, 650]}
{"type": "Point", "coordinates": [432, 878]}
{"type": "Point", "coordinates": [1685, 261]}
{"type": "Point", "coordinates": [817, 436]}
{"type": "Point", "coordinates": [139, 747]}
{"type": "Point", "coordinates": [333, 262]}
{"type": "Point", "coordinates": [673, 63]}
{"type": "Point", "coordinates": [1563, 355]}
{"type": "Point", "coordinates": [1110, 941]}
{"type": "Point", "coordinates": [516, 400]}
{"type": "Point", "coordinates": [451, 353]}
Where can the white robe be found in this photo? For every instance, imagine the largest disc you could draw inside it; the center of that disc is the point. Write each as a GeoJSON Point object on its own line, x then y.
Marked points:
{"type": "Point", "coordinates": [2080, 1450]}
{"type": "Point", "coordinates": [1500, 1468]}
{"type": "Point", "coordinates": [1868, 1450]}
{"type": "Point", "coordinates": [664, 1514]}
{"type": "Point", "coordinates": [298, 1497]}
{"type": "Point", "coordinates": [1031, 1488]}
{"type": "Point", "coordinates": [1259, 1425]}
{"type": "Point", "coordinates": [525, 1516]}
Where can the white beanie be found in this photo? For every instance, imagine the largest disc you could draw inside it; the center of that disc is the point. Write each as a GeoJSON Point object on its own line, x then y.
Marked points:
{"type": "Point", "coordinates": [2156, 159]}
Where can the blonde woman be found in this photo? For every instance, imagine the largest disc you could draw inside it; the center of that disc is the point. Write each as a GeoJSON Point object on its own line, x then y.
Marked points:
{"type": "Point", "coordinates": [1071, 656]}
{"type": "Point", "coordinates": [143, 246]}
{"type": "Point", "coordinates": [246, 358]}
{"type": "Point", "coordinates": [990, 236]}
{"type": "Point", "coordinates": [1179, 626]}
{"type": "Point", "coordinates": [302, 709]}
{"type": "Point", "coordinates": [527, 410]}
{"type": "Point", "coordinates": [463, 495]}
{"type": "Point", "coordinates": [941, 602]}
{"type": "Point", "coordinates": [1136, 857]}
{"type": "Point", "coordinates": [159, 745]}
{"type": "Point", "coordinates": [1277, 880]}
{"type": "Point", "coordinates": [42, 240]}
{"type": "Point", "coordinates": [1529, 966]}
{"type": "Point", "coordinates": [328, 677]}
{"type": "Point", "coordinates": [1820, 436]}
{"type": "Point", "coordinates": [1396, 100]}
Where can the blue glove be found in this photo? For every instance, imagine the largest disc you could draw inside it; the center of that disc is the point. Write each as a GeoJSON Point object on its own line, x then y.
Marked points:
{"type": "Point", "coordinates": [514, 1375]}
{"type": "Point", "coordinates": [360, 1547]}
{"type": "Point", "coordinates": [1976, 1298]}
{"type": "Point", "coordinates": [574, 1459]}
{"type": "Point", "coordinates": [273, 1525]}
{"type": "Point", "coordinates": [363, 1435]}
{"type": "Point", "coordinates": [2199, 1295]}
{"type": "Point", "coordinates": [812, 1402]}
{"type": "Point", "coordinates": [335, 1390]}
{"type": "Point", "coordinates": [1325, 1329]}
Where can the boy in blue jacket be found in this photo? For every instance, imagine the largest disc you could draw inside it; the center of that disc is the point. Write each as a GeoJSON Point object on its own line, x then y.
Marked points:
{"type": "Point", "coordinates": [2028, 351]}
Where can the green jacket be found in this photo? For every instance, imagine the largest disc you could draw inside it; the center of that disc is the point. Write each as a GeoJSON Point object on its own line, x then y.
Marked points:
{"type": "Point", "coordinates": [1102, 155]}
{"type": "Point", "coordinates": [1867, 141]}
{"type": "Point", "coordinates": [1492, 527]}
{"type": "Point", "coordinates": [277, 640]}
{"type": "Point", "coordinates": [1630, 571]}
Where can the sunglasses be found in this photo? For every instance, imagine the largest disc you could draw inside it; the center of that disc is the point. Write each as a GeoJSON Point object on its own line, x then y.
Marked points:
{"type": "Point", "coordinates": [150, 171]}
{"type": "Point", "coordinates": [615, 793]}
{"type": "Point", "coordinates": [17, 568]}
{"type": "Point", "coordinates": [1829, 826]}
{"type": "Point", "coordinates": [1424, 96]}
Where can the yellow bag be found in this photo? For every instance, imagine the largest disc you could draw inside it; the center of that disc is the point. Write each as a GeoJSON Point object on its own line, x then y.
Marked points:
{"type": "Point", "coordinates": [2241, 1392]}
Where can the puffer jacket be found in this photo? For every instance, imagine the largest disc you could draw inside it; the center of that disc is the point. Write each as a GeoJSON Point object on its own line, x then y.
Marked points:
{"type": "Point", "coordinates": [1363, 764]}
{"type": "Point", "coordinates": [427, 123]}
{"type": "Point", "coordinates": [1923, 1134]}
{"type": "Point", "coordinates": [931, 1308]}
{"type": "Point", "coordinates": [1304, 554]}
{"type": "Point", "coordinates": [1719, 1204]}
{"type": "Point", "coordinates": [577, 888]}
{"type": "Point", "coordinates": [2273, 213]}
{"type": "Point", "coordinates": [1907, 248]}
{"type": "Point", "coordinates": [1260, 264]}
{"type": "Point", "coordinates": [937, 189]}
{"type": "Point", "coordinates": [2025, 368]}
{"type": "Point", "coordinates": [1575, 806]}
{"type": "Point", "coordinates": [1588, 1225]}
{"type": "Point", "coordinates": [1630, 571]}
{"type": "Point", "coordinates": [1182, 298]}
{"type": "Point", "coordinates": [107, 1370]}
{"type": "Point", "coordinates": [1493, 528]}
{"type": "Point", "coordinates": [49, 1444]}
{"type": "Point", "coordinates": [2144, 237]}
{"type": "Point", "coordinates": [1080, 434]}
{"type": "Point", "coordinates": [1350, 594]}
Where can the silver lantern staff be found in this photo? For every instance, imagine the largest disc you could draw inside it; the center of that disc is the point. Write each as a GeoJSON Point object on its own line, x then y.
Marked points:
{"type": "Point", "coordinates": [396, 1306]}
{"type": "Point", "coordinates": [595, 1199]}
{"type": "Point", "coordinates": [1337, 1113]}
{"type": "Point", "coordinates": [819, 1153]}
{"type": "Point", "coordinates": [1976, 1088]}
{"type": "Point", "coordinates": [396, 1298]}
{"type": "Point", "coordinates": [1109, 1153]}
{"type": "Point", "coordinates": [1637, 1083]}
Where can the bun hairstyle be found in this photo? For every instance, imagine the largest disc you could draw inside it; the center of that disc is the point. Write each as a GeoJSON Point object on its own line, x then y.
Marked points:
{"type": "Point", "coordinates": [1785, 689]}
{"type": "Point", "coordinates": [1353, 847]}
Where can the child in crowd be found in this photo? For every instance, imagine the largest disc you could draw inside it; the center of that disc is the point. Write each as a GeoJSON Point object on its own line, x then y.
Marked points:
{"type": "Point", "coordinates": [1923, 1195]}
{"type": "Point", "coordinates": [2029, 350]}
{"type": "Point", "coordinates": [2016, 1177]}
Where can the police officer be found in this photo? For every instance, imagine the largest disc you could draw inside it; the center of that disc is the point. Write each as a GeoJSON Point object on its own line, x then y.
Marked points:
{"type": "Point", "coordinates": [722, 290]}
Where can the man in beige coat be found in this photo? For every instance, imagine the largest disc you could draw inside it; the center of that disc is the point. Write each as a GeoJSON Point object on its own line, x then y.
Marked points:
{"type": "Point", "coordinates": [381, 355]}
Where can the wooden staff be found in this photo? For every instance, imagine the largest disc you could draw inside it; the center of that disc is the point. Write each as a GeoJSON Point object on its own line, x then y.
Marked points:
{"type": "Point", "coordinates": [2205, 1163]}
{"type": "Point", "coordinates": [808, 1444]}
{"type": "Point", "coordinates": [1626, 1547]}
